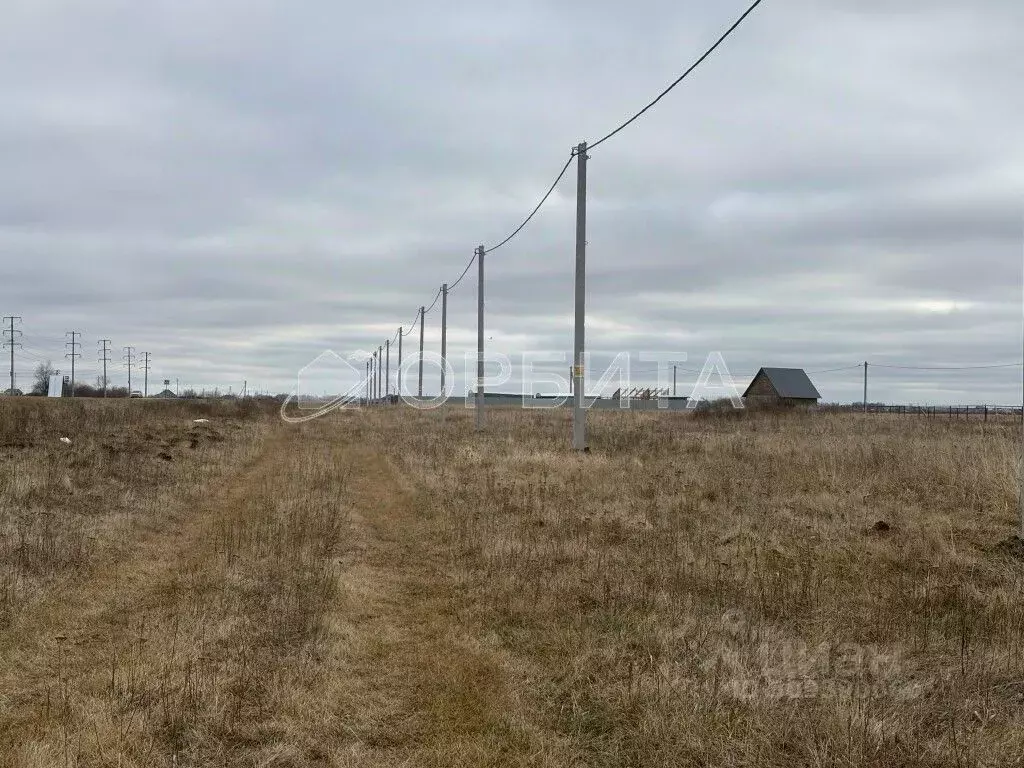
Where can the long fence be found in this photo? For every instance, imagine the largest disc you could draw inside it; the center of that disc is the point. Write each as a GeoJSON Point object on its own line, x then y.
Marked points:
{"type": "Point", "coordinates": [668, 403]}
{"type": "Point", "coordinates": [981, 412]}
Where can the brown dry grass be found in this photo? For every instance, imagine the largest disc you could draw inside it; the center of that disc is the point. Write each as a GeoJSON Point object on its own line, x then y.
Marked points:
{"type": "Point", "coordinates": [64, 508]}
{"type": "Point", "coordinates": [389, 588]}
{"type": "Point", "coordinates": [709, 591]}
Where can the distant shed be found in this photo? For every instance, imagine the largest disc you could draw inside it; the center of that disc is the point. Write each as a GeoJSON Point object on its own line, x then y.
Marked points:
{"type": "Point", "coordinates": [782, 386]}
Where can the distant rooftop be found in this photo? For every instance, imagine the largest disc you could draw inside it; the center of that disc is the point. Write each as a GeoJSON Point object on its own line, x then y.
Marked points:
{"type": "Point", "coordinates": [789, 382]}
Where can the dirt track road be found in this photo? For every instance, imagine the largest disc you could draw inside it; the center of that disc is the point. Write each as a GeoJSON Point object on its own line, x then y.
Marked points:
{"type": "Point", "coordinates": [292, 617]}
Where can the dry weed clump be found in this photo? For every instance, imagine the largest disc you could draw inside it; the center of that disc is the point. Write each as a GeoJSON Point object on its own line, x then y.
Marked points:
{"type": "Point", "coordinates": [718, 591]}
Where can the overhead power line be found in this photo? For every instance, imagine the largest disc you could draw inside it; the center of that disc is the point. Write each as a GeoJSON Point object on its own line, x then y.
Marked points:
{"type": "Point", "coordinates": [433, 303]}
{"type": "Point", "coordinates": [482, 251]}
{"type": "Point", "coordinates": [29, 355]}
{"type": "Point", "coordinates": [946, 367]}
{"type": "Point", "coordinates": [413, 326]}
{"type": "Point", "coordinates": [515, 232]}
{"type": "Point", "coordinates": [464, 273]}
{"type": "Point", "coordinates": [682, 77]}
{"type": "Point", "coordinates": [43, 341]}
{"type": "Point", "coordinates": [667, 369]}
{"type": "Point", "coordinates": [858, 366]}
{"type": "Point", "coordinates": [533, 213]}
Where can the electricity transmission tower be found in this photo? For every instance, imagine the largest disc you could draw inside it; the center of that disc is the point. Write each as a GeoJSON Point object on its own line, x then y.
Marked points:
{"type": "Point", "coordinates": [73, 354]}
{"type": "Point", "coordinates": [129, 361]}
{"type": "Point", "coordinates": [104, 358]}
{"type": "Point", "coordinates": [10, 335]}
{"type": "Point", "coordinates": [145, 374]}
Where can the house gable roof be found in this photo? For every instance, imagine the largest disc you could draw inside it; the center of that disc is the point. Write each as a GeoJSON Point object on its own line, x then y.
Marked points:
{"type": "Point", "coordinates": [788, 382]}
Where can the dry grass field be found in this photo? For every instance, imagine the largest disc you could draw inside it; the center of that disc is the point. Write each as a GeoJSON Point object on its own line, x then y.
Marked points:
{"type": "Point", "coordinates": [388, 588]}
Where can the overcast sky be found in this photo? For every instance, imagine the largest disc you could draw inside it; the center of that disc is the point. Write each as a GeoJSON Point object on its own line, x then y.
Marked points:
{"type": "Point", "coordinates": [237, 186]}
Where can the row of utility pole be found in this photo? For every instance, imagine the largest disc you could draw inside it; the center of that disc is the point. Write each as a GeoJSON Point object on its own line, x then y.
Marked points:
{"type": "Point", "coordinates": [72, 352]}
{"type": "Point", "coordinates": [578, 369]}
{"type": "Point", "coordinates": [383, 353]}
{"type": "Point", "coordinates": [579, 433]}
{"type": "Point", "coordinates": [129, 360]}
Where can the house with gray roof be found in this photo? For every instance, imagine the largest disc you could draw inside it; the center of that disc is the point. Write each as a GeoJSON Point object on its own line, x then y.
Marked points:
{"type": "Point", "coordinates": [781, 387]}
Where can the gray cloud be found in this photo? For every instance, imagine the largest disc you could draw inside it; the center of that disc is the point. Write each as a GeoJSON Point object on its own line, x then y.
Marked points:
{"type": "Point", "coordinates": [235, 187]}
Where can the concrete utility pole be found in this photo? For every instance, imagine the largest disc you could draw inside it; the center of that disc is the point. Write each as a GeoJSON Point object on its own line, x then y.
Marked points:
{"type": "Point", "coordinates": [366, 380]}
{"type": "Point", "coordinates": [373, 377]}
{"type": "Point", "coordinates": [11, 335]}
{"type": "Point", "coordinates": [480, 252]}
{"type": "Point", "coordinates": [423, 322]}
{"type": "Point", "coordinates": [674, 367]}
{"type": "Point", "coordinates": [74, 353]}
{"type": "Point", "coordinates": [579, 415]}
{"type": "Point", "coordinates": [398, 383]}
{"type": "Point", "coordinates": [129, 361]}
{"type": "Point", "coordinates": [104, 358]}
{"type": "Point", "coordinates": [387, 369]}
{"type": "Point", "coordinates": [864, 406]}
{"type": "Point", "coordinates": [380, 371]}
{"type": "Point", "coordinates": [1020, 472]}
{"type": "Point", "coordinates": [444, 335]}
{"type": "Point", "coordinates": [145, 374]}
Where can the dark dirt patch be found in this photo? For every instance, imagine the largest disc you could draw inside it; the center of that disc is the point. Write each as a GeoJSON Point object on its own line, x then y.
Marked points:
{"type": "Point", "coordinates": [1012, 547]}
{"type": "Point", "coordinates": [880, 528]}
